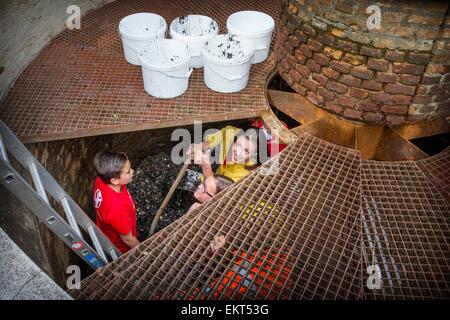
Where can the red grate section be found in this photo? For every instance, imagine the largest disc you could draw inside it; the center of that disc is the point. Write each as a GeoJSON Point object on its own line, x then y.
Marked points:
{"type": "Point", "coordinates": [289, 235]}
{"type": "Point", "coordinates": [81, 85]}
{"type": "Point", "coordinates": [437, 169]}
{"type": "Point", "coordinates": [406, 232]}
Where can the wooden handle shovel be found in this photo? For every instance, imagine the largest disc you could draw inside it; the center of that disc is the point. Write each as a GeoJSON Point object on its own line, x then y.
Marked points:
{"type": "Point", "coordinates": [174, 186]}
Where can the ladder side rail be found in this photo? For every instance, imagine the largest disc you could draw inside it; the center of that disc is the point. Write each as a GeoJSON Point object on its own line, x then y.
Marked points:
{"type": "Point", "coordinates": [24, 192]}
{"type": "Point", "coordinates": [25, 158]}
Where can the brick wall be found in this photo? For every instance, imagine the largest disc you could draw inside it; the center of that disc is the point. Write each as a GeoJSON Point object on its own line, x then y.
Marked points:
{"type": "Point", "coordinates": [396, 74]}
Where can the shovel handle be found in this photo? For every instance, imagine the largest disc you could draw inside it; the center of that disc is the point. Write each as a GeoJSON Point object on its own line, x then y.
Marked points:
{"type": "Point", "coordinates": [174, 186]}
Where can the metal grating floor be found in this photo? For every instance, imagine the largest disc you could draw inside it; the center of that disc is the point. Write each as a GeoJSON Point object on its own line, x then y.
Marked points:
{"type": "Point", "coordinates": [437, 169]}
{"type": "Point", "coordinates": [406, 226]}
{"type": "Point", "coordinates": [290, 235]}
{"type": "Point", "coordinates": [81, 85]}
{"type": "Point", "coordinates": [307, 232]}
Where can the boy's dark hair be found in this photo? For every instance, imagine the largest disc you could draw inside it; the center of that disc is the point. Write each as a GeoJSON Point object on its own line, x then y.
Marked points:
{"type": "Point", "coordinates": [109, 164]}
{"type": "Point", "coordinates": [222, 182]}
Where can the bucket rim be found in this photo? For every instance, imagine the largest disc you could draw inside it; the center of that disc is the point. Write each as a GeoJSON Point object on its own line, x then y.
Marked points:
{"type": "Point", "coordinates": [267, 30]}
{"type": "Point", "coordinates": [210, 58]}
{"type": "Point", "coordinates": [166, 67]}
{"type": "Point", "coordinates": [145, 36]}
{"type": "Point", "coordinates": [198, 39]}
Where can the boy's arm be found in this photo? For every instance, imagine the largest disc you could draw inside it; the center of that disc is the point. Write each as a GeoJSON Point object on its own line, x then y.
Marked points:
{"type": "Point", "coordinates": [130, 240]}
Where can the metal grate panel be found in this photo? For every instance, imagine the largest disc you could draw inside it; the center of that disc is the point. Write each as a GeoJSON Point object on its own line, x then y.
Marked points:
{"type": "Point", "coordinates": [290, 235]}
{"type": "Point", "coordinates": [406, 232]}
{"type": "Point", "coordinates": [437, 169]}
{"type": "Point", "coordinates": [81, 85]}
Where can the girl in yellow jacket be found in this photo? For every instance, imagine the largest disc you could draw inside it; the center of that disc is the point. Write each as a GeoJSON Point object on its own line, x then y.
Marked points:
{"type": "Point", "coordinates": [236, 152]}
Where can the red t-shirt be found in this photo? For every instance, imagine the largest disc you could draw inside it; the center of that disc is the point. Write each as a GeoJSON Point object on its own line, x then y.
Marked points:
{"type": "Point", "coordinates": [115, 213]}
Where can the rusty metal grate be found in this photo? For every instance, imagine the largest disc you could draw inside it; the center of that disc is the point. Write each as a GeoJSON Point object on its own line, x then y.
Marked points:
{"type": "Point", "coordinates": [81, 85]}
{"type": "Point", "coordinates": [437, 169]}
{"type": "Point", "coordinates": [291, 235]}
{"type": "Point", "coordinates": [406, 230]}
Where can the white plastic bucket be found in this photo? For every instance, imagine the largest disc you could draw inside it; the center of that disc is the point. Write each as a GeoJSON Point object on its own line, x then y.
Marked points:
{"type": "Point", "coordinates": [255, 26]}
{"type": "Point", "coordinates": [227, 61]}
{"type": "Point", "coordinates": [165, 67]}
{"type": "Point", "coordinates": [194, 30]}
{"type": "Point", "coordinates": [137, 29]}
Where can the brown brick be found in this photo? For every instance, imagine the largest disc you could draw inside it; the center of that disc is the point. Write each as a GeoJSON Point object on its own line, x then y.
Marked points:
{"type": "Point", "coordinates": [409, 79]}
{"type": "Point", "coordinates": [386, 77]}
{"type": "Point", "coordinates": [344, 7]}
{"type": "Point", "coordinates": [362, 73]}
{"type": "Point", "coordinates": [401, 99]}
{"type": "Point", "coordinates": [299, 88]}
{"type": "Point", "coordinates": [320, 79]}
{"type": "Point", "coordinates": [302, 37]}
{"type": "Point", "coordinates": [394, 119]}
{"type": "Point", "coordinates": [308, 84]}
{"type": "Point", "coordinates": [359, 93]}
{"type": "Point", "coordinates": [367, 106]}
{"type": "Point", "coordinates": [325, 93]}
{"type": "Point", "coordinates": [371, 52]}
{"type": "Point", "coordinates": [309, 30]}
{"type": "Point", "coordinates": [337, 87]}
{"type": "Point", "coordinates": [306, 50]}
{"type": "Point", "coordinates": [418, 58]}
{"type": "Point", "coordinates": [422, 99]}
{"type": "Point", "coordinates": [290, 59]}
{"type": "Point", "coordinates": [378, 64]}
{"type": "Point", "coordinates": [314, 98]}
{"type": "Point", "coordinates": [294, 41]}
{"type": "Point", "coordinates": [372, 85]}
{"type": "Point", "coordinates": [340, 66]}
{"type": "Point", "coordinates": [352, 114]}
{"type": "Point", "coordinates": [349, 80]}
{"type": "Point", "coordinates": [430, 80]}
{"type": "Point", "coordinates": [346, 101]}
{"type": "Point", "coordinates": [421, 90]}
{"type": "Point", "coordinates": [326, 38]}
{"type": "Point", "coordinates": [295, 75]}
{"type": "Point", "coordinates": [397, 109]}
{"type": "Point", "coordinates": [441, 89]}
{"type": "Point", "coordinates": [400, 89]}
{"type": "Point", "coordinates": [348, 46]}
{"type": "Point", "coordinates": [373, 116]}
{"type": "Point", "coordinates": [381, 97]}
{"type": "Point", "coordinates": [442, 98]}
{"type": "Point", "coordinates": [315, 45]}
{"type": "Point", "coordinates": [333, 107]}
{"type": "Point", "coordinates": [330, 73]}
{"type": "Point", "coordinates": [354, 59]}
{"type": "Point", "coordinates": [321, 59]}
{"type": "Point", "coordinates": [333, 53]}
{"type": "Point", "coordinates": [408, 68]}
{"type": "Point", "coordinates": [303, 70]}
{"type": "Point", "coordinates": [395, 55]}
{"type": "Point", "coordinates": [299, 56]}
{"type": "Point", "coordinates": [312, 65]}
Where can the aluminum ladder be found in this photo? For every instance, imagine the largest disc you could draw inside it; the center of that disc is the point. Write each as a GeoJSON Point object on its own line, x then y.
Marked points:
{"type": "Point", "coordinates": [37, 201]}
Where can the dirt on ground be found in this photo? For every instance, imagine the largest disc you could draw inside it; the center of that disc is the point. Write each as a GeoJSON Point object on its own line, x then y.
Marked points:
{"type": "Point", "coordinates": [151, 182]}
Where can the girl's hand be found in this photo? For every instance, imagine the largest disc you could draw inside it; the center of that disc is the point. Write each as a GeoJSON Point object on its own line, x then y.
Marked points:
{"type": "Point", "coordinates": [201, 158]}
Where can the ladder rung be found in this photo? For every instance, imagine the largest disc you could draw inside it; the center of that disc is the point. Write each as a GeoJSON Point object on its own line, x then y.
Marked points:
{"type": "Point", "coordinates": [69, 214]}
{"type": "Point", "coordinates": [37, 181]}
{"type": "Point", "coordinates": [3, 153]}
{"type": "Point", "coordinates": [96, 243]}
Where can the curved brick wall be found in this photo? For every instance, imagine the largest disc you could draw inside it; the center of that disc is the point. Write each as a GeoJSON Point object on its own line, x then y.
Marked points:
{"type": "Point", "coordinates": [396, 74]}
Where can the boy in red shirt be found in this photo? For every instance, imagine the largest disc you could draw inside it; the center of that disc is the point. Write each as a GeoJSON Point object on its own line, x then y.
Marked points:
{"type": "Point", "coordinates": [115, 210]}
